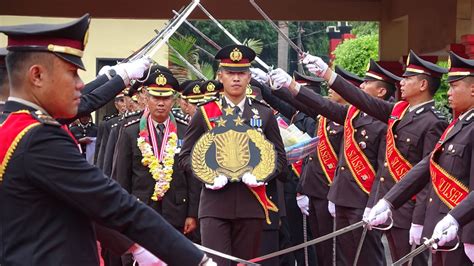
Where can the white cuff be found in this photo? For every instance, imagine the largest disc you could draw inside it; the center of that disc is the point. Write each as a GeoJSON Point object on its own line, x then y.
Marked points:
{"type": "Point", "coordinates": [332, 78]}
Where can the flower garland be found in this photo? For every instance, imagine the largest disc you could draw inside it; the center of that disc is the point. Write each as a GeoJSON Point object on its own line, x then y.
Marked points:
{"type": "Point", "coordinates": [160, 163]}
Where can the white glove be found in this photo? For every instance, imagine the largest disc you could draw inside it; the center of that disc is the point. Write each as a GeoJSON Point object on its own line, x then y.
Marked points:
{"type": "Point", "coordinates": [206, 261]}
{"type": "Point", "coordinates": [415, 233]}
{"type": "Point", "coordinates": [446, 230]}
{"type": "Point", "coordinates": [145, 258]}
{"type": "Point", "coordinates": [303, 204]}
{"type": "Point", "coordinates": [132, 70]}
{"type": "Point", "coordinates": [332, 208]}
{"type": "Point", "coordinates": [366, 213]}
{"type": "Point", "coordinates": [280, 79]}
{"type": "Point", "coordinates": [259, 75]}
{"type": "Point", "coordinates": [219, 182]}
{"type": "Point", "coordinates": [315, 65]}
{"type": "Point", "coordinates": [379, 213]}
{"type": "Point", "coordinates": [251, 181]}
{"type": "Point", "coordinates": [469, 250]}
{"type": "Point", "coordinates": [104, 70]}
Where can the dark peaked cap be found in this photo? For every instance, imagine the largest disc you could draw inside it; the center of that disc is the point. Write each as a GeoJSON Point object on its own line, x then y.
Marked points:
{"type": "Point", "coordinates": [459, 67]}
{"type": "Point", "coordinates": [376, 72]}
{"type": "Point", "coordinates": [64, 40]}
{"type": "Point", "coordinates": [235, 57]}
{"type": "Point", "coordinates": [415, 66]}
{"type": "Point", "coordinates": [349, 76]}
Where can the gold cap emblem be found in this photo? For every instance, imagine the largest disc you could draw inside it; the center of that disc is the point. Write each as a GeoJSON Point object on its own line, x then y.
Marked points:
{"type": "Point", "coordinates": [368, 66]}
{"type": "Point", "coordinates": [161, 80]}
{"type": "Point", "coordinates": [236, 55]}
{"type": "Point", "coordinates": [408, 59]}
{"type": "Point", "coordinates": [210, 87]}
{"type": "Point", "coordinates": [196, 89]}
{"type": "Point", "coordinates": [449, 62]}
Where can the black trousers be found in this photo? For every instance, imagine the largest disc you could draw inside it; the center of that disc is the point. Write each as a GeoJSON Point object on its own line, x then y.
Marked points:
{"type": "Point", "coordinates": [399, 246]}
{"type": "Point", "coordinates": [372, 252]}
{"type": "Point", "coordinates": [236, 237]}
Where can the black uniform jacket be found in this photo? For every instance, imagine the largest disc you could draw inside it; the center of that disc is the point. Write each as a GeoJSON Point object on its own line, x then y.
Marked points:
{"type": "Point", "coordinates": [235, 200]}
{"type": "Point", "coordinates": [179, 202]}
{"type": "Point", "coordinates": [456, 157]}
{"type": "Point", "coordinates": [369, 134]}
{"type": "Point", "coordinates": [415, 137]}
{"type": "Point", "coordinates": [50, 197]}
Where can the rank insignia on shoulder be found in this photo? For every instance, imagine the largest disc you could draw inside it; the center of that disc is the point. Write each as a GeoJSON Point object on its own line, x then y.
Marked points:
{"type": "Point", "coordinates": [45, 119]}
{"type": "Point", "coordinates": [419, 110]}
{"type": "Point", "coordinates": [132, 122]}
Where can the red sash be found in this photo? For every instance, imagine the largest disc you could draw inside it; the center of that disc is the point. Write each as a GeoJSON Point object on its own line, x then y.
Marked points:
{"type": "Point", "coordinates": [297, 167]}
{"type": "Point", "coordinates": [449, 189]}
{"type": "Point", "coordinates": [360, 167]}
{"type": "Point", "coordinates": [326, 154]}
{"type": "Point", "coordinates": [12, 131]}
{"type": "Point", "coordinates": [213, 110]}
{"type": "Point", "coordinates": [398, 166]}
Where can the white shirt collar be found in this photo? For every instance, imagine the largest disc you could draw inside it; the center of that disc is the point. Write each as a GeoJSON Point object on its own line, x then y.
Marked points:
{"type": "Point", "coordinates": [241, 104]}
{"type": "Point", "coordinates": [411, 108]}
{"type": "Point", "coordinates": [461, 117]}
{"type": "Point", "coordinates": [27, 103]}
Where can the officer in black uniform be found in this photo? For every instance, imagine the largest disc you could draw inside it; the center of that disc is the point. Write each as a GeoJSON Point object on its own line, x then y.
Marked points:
{"type": "Point", "coordinates": [47, 186]}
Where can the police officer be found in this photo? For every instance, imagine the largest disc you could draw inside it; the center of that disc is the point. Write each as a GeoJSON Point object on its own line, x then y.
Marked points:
{"type": "Point", "coordinates": [47, 186]}
{"type": "Point", "coordinates": [231, 216]}
{"type": "Point", "coordinates": [414, 128]}
{"type": "Point", "coordinates": [358, 159]}
{"type": "Point", "coordinates": [449, 165]}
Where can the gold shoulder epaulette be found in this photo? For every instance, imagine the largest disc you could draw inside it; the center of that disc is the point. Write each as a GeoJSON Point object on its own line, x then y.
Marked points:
{"type": "Point", "coordinates": [45, 119]}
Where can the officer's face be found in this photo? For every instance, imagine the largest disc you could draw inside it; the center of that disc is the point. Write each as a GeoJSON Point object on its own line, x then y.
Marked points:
{"type": "Point", "coordinates": [58, 87]}
{"type": "Point", "coordinates": [411, 87]}
{"type": "Point", "coordinates": [372, 88]}
{"type": "Point", "coordinates": [235, 83]}
{"type": "Point", "coordinates": [160, 107]}
{"type": "Point", "coordinates": [461, 95]}
{"type": "Point", "coordinates": [121, 104]}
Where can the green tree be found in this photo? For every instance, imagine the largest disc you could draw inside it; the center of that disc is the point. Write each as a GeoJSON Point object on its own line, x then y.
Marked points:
{"type": "Point", "coordinates": [354, 54]}
{"type": "Point", "coordinates": [441, 95]}
{"type": "Point", "coordinates": [361, 28]}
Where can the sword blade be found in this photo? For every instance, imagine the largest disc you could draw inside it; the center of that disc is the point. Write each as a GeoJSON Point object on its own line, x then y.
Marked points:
{"type": "Point", "coordinates": [200, 33]}
{"type": "Point", "coordinates": [225, 256]}
{"type": "Point", "coordinates": [257, 59]}
{"type": "Point", "coordinates": [359, 247]}
{"type": "Point", "coordinates": [410, 261]}
{"type": "Point", "coordinates": [411, 255]}
{"type": "Point", "coordinates": [312, 242]}
{"type": "Point", "coordinates": [282, 34]}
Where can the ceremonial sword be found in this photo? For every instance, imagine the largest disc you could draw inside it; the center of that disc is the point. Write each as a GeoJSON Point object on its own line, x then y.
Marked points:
{"type": "Point", "coordinates": [257, 59]}
{"type": "Point", "coordinates": [282, 34]}
{"type": "Point", "coordinates": [225, 256]}
{"type": "Point", "coordinates": [140, 52]}
{"type": "Point", "coordinates": [209, 40]}
{"type": "Point", "coordinates": [311, 242]}
{"type": "Point", "coordinates": [428, 243]}
{"type": "Point", "coordinates": [174, 27]}
{"type": "Point", "coordinates": [188, 64]}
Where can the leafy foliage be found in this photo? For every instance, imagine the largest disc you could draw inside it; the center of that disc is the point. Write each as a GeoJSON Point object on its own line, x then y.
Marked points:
{"type": "Point", "coordinates": [362, 28]}
{"type": "Point", "coordinates": [441, 97]}
{"type": "Point", "coordinates": [354, 54]}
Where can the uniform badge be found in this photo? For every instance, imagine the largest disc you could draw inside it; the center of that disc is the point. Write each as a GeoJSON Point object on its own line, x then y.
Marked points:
{"type": "Point", "coordinates": [232, 148]}
{"type": "Point", "coordinates": [362, 145]}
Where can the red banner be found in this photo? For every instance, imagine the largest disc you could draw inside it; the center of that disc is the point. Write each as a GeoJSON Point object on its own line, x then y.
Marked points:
{"type": "Point", "coordinates": [12, 131]}
{"type": "Point", "coordinates": [361, 169]}
{"type": "Point", "coordinates": [449, 189]}
{"type": "Point", "coordinates": [398, 166]}
{"type": "Point", "coordinates": [326, 154]}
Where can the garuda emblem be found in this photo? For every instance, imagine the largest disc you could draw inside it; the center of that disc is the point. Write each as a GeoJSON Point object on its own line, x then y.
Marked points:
{"type": "Point", "coordinates": [232, 148]}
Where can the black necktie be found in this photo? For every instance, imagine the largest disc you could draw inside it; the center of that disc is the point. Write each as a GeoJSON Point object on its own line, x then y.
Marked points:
{"type": "Point", "coordinates": [237, 110]}
{"type": "Point", "coordinates": [161, 132]}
